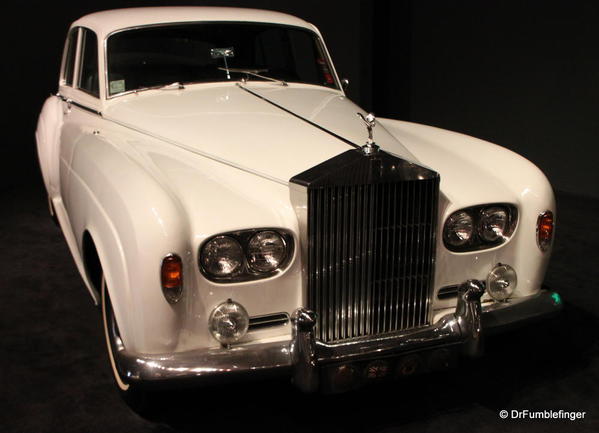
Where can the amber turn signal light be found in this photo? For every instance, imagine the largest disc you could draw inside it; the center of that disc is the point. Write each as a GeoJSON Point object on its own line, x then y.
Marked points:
{"type": "Point", "coordinates": [545, 228]}
{"type": "Point", "coordinates": [171, 277]}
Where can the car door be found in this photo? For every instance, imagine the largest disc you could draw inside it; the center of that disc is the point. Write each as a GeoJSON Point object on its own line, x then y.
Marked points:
{"type": "Point", "coordinates": [80, 95]}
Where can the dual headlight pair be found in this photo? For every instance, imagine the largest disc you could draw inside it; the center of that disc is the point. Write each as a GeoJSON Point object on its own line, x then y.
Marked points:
{"type": "Point", "coordinates": [245, 255]}
{"type": "Point", "coordinates": [479, 227]}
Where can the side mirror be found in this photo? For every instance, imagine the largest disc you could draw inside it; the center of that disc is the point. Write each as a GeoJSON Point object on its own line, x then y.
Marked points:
{"type": "Point", "coordinates": [344, 83]}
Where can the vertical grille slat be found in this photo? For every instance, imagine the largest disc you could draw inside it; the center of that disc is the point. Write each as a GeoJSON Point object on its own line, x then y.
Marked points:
{"type": "Point", "coordinates": [371, 248]}
{"type": "Point", "coordinates": [426, 228]}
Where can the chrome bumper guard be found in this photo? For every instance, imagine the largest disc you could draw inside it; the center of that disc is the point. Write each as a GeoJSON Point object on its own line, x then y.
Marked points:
{"type": "Point", "coordinates": [304, 355]}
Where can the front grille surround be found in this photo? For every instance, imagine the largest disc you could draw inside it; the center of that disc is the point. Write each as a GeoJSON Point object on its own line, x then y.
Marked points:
{"type": "Point", "coordinates": [371, 245]}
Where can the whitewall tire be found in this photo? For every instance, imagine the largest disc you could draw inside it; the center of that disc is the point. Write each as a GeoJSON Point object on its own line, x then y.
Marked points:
{"type": "Point", "coordinates": [135, 397]}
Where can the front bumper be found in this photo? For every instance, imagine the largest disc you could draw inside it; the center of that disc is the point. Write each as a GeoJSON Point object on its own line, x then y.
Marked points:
{"type": "Point", "coordinates": [302, 357]}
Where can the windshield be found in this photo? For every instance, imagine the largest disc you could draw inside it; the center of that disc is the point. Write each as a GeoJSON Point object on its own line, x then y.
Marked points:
{"type": "Point", "coordinates": [203, 52]}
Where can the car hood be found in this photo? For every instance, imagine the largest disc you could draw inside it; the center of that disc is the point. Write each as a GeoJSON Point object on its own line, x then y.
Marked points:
{"type": "Point", "coordinates": [278, 132]}
{"type": "Point", "coordinates": [272, 131]}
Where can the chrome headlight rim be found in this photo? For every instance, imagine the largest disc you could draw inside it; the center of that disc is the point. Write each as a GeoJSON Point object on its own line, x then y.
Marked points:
{"type": "Point", "coordinates": [477, 242]}
{"type": "Point", "coordinates": [247, 272]}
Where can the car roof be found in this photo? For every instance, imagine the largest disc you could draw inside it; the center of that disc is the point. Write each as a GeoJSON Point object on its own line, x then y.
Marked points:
{"type": "Point", "coordinates": [106, 22]}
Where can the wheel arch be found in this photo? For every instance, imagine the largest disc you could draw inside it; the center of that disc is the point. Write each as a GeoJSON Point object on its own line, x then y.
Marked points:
{"type": "Point", "coordinates": [91, 262]}
{"type": "Point", "coordinates": [97, 263]}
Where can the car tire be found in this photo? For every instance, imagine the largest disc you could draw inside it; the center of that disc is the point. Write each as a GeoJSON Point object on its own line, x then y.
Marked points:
{"type": "Point", "coordinates": [137, 399]}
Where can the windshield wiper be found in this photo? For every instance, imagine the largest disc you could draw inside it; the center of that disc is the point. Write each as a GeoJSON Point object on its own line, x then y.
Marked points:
{"type": "Point", "coordinates": [255, 73]}
{"type": "Point", "coordinates": [172, 86]}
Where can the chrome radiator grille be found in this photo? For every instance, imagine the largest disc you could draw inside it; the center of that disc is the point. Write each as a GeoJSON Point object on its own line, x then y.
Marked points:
{"type": "Point", "coordinates": [371, 249]}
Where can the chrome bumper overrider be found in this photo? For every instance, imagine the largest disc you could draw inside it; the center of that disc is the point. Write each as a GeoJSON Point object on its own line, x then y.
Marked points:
{"type": "Point", "coordinates": [303, 355]}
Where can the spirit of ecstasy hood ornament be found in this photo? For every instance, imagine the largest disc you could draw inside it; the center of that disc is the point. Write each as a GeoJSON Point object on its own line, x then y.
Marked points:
{"type": "Point", "coordinates": [370, 147]}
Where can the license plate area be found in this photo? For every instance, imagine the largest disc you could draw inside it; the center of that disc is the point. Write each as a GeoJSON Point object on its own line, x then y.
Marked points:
{"type": "Point", "coordinates": [347, 376]}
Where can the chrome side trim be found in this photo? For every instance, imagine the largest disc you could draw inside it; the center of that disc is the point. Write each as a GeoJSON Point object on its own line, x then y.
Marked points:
{"type": "Point", "coordinates": [70, 102]}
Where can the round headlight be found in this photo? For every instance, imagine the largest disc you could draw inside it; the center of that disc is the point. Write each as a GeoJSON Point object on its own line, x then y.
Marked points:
{"type": "Point", "coordinates": [266, 251]}
{"type": "Point", "coordinates": [458, 229]}
{"type": "Point", "coordinates": [229, 322]}
{"type": "Point", "coordinates": [222, 256]}
{"type": "Point", "coordinates": [501, 282]}
{"type": "Point", "coordinates": [493, 223]}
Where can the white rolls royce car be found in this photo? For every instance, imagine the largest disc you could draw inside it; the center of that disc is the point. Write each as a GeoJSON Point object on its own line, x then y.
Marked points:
{"type": "Point", "coordinates": [234, 213]}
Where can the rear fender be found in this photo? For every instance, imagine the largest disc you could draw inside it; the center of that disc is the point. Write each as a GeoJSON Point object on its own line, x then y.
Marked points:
{"type": "Point", "coordinates": [47, 136]}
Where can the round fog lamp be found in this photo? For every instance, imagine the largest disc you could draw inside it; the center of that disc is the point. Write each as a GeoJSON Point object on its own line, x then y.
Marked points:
{"type": "Point", "coordinates": [501, 282]}
{"type": "Point", "coordinates": [229, 322]}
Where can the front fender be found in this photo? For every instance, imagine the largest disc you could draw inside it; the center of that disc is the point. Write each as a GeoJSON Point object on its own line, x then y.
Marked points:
{"type": "Point", "coordinates": [475, 172]}
{"type": "Point", "coordinates": [134, 222]}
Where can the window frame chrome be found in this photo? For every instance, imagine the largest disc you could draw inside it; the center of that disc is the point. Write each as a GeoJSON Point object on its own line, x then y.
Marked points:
{"type": "Point", "coordinates": [78, 67]}
{"type": "Point", "coordinates": [63, 63]}
{"type": "Point", "coordinates": [106, 86]}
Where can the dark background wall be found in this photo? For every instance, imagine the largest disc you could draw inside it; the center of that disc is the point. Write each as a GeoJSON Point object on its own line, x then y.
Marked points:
{"type": "Point", "coordinates": [521, 74]}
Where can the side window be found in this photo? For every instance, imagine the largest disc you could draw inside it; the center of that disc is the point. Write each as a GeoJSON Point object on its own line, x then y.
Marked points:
{"type": "Point", "coordinates": [69, 62]}
{"type": "Point", "coordinates": [88, 63]}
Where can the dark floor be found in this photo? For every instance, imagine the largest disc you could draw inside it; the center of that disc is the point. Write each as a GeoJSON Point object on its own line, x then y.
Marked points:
{"type": "Point", "coordinates": [55, 377]}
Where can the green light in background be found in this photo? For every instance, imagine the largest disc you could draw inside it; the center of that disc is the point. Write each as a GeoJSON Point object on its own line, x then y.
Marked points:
{"type": "Point", "coordinates": [557, 299]}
